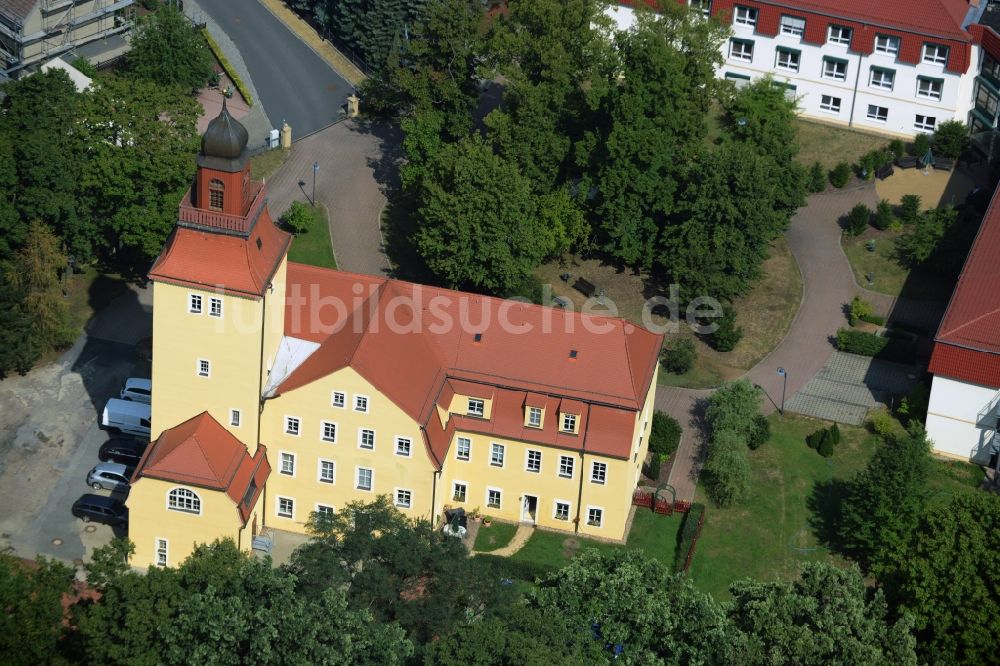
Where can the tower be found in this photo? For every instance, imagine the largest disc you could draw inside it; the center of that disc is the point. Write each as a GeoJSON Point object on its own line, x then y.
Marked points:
{"type": "Point", "coordinates": [218, 293]}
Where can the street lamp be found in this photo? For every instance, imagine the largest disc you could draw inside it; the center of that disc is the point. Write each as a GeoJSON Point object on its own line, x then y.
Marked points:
{"type": "Point", "coordinates": [784, 384]}
{"type": "Point", "coordinates": [315, 171]}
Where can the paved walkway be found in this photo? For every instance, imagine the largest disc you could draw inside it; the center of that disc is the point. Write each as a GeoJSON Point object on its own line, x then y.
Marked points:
{"type": "Point", "coordinates": [517, 542]}
{"type": "Point", "coordinates": [356, 166]}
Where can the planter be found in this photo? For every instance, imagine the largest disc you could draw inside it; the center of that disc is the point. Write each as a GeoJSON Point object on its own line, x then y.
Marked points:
{"type": "Point", "coordinates": [487, 522]}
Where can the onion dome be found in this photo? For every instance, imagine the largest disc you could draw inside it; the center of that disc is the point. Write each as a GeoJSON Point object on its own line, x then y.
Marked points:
{"type": "Point", "coordinates": [225, 138]}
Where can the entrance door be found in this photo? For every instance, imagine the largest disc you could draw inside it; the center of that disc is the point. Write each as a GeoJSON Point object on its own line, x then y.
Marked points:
{"type": "Point", "coordinates": [529, 509]}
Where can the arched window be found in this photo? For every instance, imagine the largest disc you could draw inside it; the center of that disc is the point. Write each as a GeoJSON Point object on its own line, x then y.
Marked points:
{"type": "Point", "coordinates": [216, 190]}
{"type": "Point", "coordinates": [182, 499]}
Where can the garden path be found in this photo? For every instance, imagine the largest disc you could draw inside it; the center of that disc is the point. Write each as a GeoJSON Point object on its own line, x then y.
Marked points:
{"type": "Point", "coordinates": [517, 542]}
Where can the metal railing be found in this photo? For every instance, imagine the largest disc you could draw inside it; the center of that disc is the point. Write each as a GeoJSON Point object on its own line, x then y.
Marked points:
{"type": "Point", "coordinates": [987, 416]}
{"type": "Point", "coordinates": [189, 215]}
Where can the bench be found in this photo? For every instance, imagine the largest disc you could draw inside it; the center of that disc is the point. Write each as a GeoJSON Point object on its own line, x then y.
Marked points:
{"type": "Point", "coordinates": [944, 163]}
{"type": "Point", "coordinates": [884, 172]}
{"type": "Point", "coordinates": [584, 287]}
{"type": "Point", "coordinates": [907, 162]}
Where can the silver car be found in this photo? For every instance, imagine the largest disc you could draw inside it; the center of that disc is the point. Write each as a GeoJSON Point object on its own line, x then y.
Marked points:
{"type": "Point", "coordinates": [109, 476]}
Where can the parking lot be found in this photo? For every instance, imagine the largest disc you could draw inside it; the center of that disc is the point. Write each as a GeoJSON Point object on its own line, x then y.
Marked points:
{"type": "Point", "coordinates": [49, 434]}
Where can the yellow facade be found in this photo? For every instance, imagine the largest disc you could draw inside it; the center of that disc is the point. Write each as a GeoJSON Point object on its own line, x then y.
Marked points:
{"type": "Point", "coordinates": [152, 521]}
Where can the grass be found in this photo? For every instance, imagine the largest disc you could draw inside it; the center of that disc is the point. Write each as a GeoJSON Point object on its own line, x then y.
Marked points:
{"type": "Point", "coordinates": [830, 145]}
{"type": "Point", "coordinates": [652, 533]}
{"type": "Point", "coordinates": [313, 246]}
{"type": "Point", "coordinates": [494, 537]}
{"type": "Point", "coordinates": [266, 163]}
{"type": "Point", "coordinates": [890, 276]}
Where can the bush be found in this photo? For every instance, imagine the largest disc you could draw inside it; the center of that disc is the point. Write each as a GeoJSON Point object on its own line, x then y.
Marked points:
{"type": "Point", "coordinates": [298, 218]}
{"type": "Point", "coordinates": [665, 434]}
{"type": "Point", "coordinates": [83, 66]}
{"type": "Point", "coordinates": [759, 433]}
{"type": "Point", "coordinates": [909, 208]}
{"type": "Point", "coordinates": [857, 219]}
{"type": "Point", "coordinates": [859, 309]}
{"type": "Point", "coordinates": [835, 433]}
{"type": "Point", "coordinates": [727, 471]}
{"type": "Point", "coordinates": [825, 447]}
{"type": "Point", "coordinates": [882, 424]}
{"type": "Point", "coordinates": [873, 319]}
{"type": "Point", "coordinates": [817, 178]}
{"type": "Point", "coordinates": [813, 439]}
{"type": "Point", "coordinates": [921, 144]}
{"type": "Point", "coordinates": [883, 215]}
{"type": "Point", "coordinates": [689, 535]}
{"type": "Point", "coordinates": [951, 139]}
{"type": "Point", "coordinates": [872, 161]}
{"type": "Point", "coordinates": [840, 174]}
{"type": "Point", "coordinates": [728, 334]}
{"type": "Point", "coordinates": [679, 357]}
{"type": "Point", "coordinates": [897, 148]}
{"type": "Point", "coordinates": [860, 342]}
{"type": "Point", "coordinates": [733, 407]}
{"type": "Point", "coordinates": [914, 405]}
{"type": "Point", "coordinates": [496, 567]}
{"type": "Point", "coordinates": [655, 461]}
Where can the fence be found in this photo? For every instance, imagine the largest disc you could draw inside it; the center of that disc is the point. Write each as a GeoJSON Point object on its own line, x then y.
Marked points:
{"type": "Point", "coordinates": [648, 499]}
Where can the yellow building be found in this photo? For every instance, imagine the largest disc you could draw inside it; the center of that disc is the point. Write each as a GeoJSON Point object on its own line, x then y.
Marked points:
{"type": "Point", "coordinates": [352, 386]}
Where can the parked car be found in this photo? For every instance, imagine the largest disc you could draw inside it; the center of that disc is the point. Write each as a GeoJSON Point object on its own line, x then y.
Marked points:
{"type": "Point", "coordinates": [101, 509]}
{"type": "Point", "coordinates": [109, 476]}
{"type": "Point", "coordinates": [132, 418]}
{"type": "Point", "coordinates": [123, 450]}
{"type": "Point", "coordinates": [138, 389]}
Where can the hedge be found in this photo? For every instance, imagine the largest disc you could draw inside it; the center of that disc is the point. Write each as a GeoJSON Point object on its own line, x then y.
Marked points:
{"type": "Point", "coordinates": [506, 567]}
{"type": "Point", "coordinates": [230, 72]}
{"type": "Point", "coordinates": [873, 319]}
{"type": "Point", "coordinates": [868, 344]}
{"type": "Point", "coordinates": [690, 531]}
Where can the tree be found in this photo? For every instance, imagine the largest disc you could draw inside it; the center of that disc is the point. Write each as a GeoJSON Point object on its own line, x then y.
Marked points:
{"type": "Point", "coordinates": [945, 576]}
{"type": "Point", "coordinates": [728, 334]}
{"type": "Point", "coordinates": [726, 473]}
{"type": "Point", "coordinates": [883, 215]}
{"type": "Point", "coordinates": [909, 208]}
{"type": "Point", "coordinates": [760, 432]}
{"type": "Point", "coordinates": [374, 28]}
{"type": "Point", "coordinates": [298, 218]}
{"type": "Point", "coordinates": [109, 562]}
{"type": "Point", "coordinates": [922, 238]}
{"type": "Point", "coordinates": [627, 600]}
{"type": "Point", "coordinates": [733, 406]}
{"type": "Point", "coordinates": [817, 178]}
{"type": "Point", "coordinates": [679, 356]}
{"type": "Point", "coordinates": [664, 434]}
{"type": "Point", "coordinates": [883, 503]}
{"type": "Point", "coordinates": [167, 50]}
{"type": "Point", "coordinates": [31, 623]}
{"type": "Point", "coordinates": [857, 219]}
{"type": "Point", "coordinates": [827, 616]}
{"type": "Point", "coordinates": [840, 174]}
{"type": "Point", "coordinates": [951, 139]}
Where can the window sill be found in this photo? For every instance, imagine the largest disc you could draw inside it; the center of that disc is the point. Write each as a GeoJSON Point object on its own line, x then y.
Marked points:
{"type": "Point", "coordinates": [599, 483]}
{"type": "Point", "coordinates": [565, 476]}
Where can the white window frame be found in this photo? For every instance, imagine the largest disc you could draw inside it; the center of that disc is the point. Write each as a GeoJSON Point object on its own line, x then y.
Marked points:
{"type": "Point", "coordinates": [332, 481]}
{"type": "Point", "coordinates": [293, 426]}
{"type": "Point", "coordinates": [395, 498]}
{"type": "Point", "coordinates": [458, 448]}
{"type": "Point", "coordinates": [409, 446]}
{"type": "Point", "coordinates": [890, 45]}
{"type": "Point", "coordinates": [745, 16]}
{"type": "Point", "coordinates": [743, 55]}
{"type": "Point", "coordinates": [371, 479]}
{"type": "Point", "coordinates": [495, 448]}
{"type": "Point", "coordinates": [532, 411]}
{"type": "Point", "coordinates": [334, 395]}
{"type": "Point", "coordinates": [319, 509]}
{"type": "Point", "coordinates": [465, 495]}
{"type": "Point", "coordinates": [593, 472]}
{"type": "Point", "coordinates": [797, 55]}
{"type": "Point", "coordinates": [214, 307]}
{"type": "Point", "coordinates": [834, 76]}
{"type": "Point", "coordinates": [835, 34]}
{"type": "Point", "coordinates": [475, 407]}
{"type": "Point", "coordinates": [207, 372]}
{"type": "Point", "coordinates": [790, 27]}
{"type": "Point", "coordinates": [829, 106]}
{"type": "Point", "coordinates": [937, 58]}
{"type": "Point", "coordinates": [193, 498]}
{"type": "Point", "coordinates": [162, 553]}
{"type": "Point", "coordinates": [361, 439]}
{"type": "Point", "coordinates": [527, 461]}
{"type": "Point", "coordinates": [573, 418]}
{"type": "Point", "coordinates": [882, 73]}
{"type": "Point", "coordinates": [555, 509]}
{"type": "Point", "coordinates": [876, 117]}
{"type": "Point", "coordinates": [563, 466]}
{"type": "Point", "coordinates": [277, 507]}
{"type": "Point", "coordinates": [931, 82]}
{"type": "Point", "coordinates": [287, 456]}
{"type": "Point", "coordinates": [924, 126]}
{"type": "Point", "coordinates": [235, 418]}
{"type": "Point", "coordinates": [366, 404]}
{"type": "Point", "coordinates": [704, 6]}
{"type": "Point", "coordinates": [195, 304]}
{"type": "Point", "coordinates": [600, 522]}
{"type": "Point", "coordinates": [499, 493]}
{"type": "Point", "coordinates": [322, 431]}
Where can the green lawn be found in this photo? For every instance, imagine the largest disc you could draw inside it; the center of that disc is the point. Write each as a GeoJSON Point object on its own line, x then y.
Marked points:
{"type": "Point", "coordinates": [890, 276]}
{"type": "Point", "coordinates": [265, 164]}
{"type": "Point", "coordinates": [496, 536]}
{"type": "Point", "coordinates": [830, 145]}
{"type": "Point", "coordinates": [313, 247]}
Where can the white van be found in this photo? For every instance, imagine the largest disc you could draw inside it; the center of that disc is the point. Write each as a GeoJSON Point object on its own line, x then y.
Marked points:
{"type": "Point", "coordinates": [138, 389]}
{"type": "Point", "coordinates": [127, 416]}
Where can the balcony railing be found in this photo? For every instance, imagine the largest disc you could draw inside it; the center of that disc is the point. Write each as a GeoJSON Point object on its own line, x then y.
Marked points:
{"type": "Point", "coordinates": [987, 416]}
{"type": "Point", "coordinates": [213, 220]}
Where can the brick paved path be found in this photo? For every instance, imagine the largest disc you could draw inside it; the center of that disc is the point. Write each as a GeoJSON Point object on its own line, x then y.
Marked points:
{"type": "Point", "coordinates": [356, 164]}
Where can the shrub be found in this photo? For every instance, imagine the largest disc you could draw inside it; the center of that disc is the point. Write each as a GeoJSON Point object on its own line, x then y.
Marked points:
{"type": "Point", "coordinates": [817, 178]}
{"type": "Point", "coordinates": [728, 334]}
{"type": "Point", "coordinates": [825, 447]}
{"type": "Point", "coordinates": [733, 407]}
{"type": "Point", "coordinates": [760, 432]}
{"type": "Point", "coordinates": [951, 138]}
{"type": "Point", "coordinates": [83, 66]}
{"type": "Point", "coordinates": [860, 342]}
{"type": "Point", "coordinates": [897, 148]}
{"type": "Point", "coordinates": [727, 472]}
{"type": "Point", "coordinates": [655, 461]}
{"type": "Point", "coordinates": [679, 357]}
{"type": "Point", "coordinates": [835, 433]}
{"type": "Point", "coordinates": [689, 535]}
{"type": "Point", "coordinates": [882, 424]}
{"type": "Point", "coordinates": [921, 144]}
{"type": "Point", "coordinates": [857, 219]}
{"type": "Point", "coordinates": [840, 174]}
{"type": "Point", "coordinates": [860, 308]}
{"type": "Point", "coordinates": [298, 218]}
{"type": "Point", "coordinates": [914, 406]}
{"type": "Point", "coordinates": [873, 319]}
{"type": "Point", "coordinates": [872, 161]}
{"type": "Point", "coordinates": [496, 567]}
{"type": "Point", "coordinates": [665, 434]}
{"type": "Point", "coordinates": [909, 208]}
{"type": "Point", "coordinates": [883, 215]}
{"type": "Point", "coordinates": [813, 439]}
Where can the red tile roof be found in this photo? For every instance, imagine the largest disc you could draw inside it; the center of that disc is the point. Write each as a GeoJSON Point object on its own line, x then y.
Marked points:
{"type": "Point", "coordinates": [967, 345]}
{"type": "Point", "coordinates": [228, 263]}
{"type": "Point", "coordinates": [200, 452]}
{"type": "Point", "coordinates": [417, 345]}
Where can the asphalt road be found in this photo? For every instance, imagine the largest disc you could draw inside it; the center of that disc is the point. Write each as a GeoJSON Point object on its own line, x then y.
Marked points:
{"type": "Point", "coordinates": [294, 84]}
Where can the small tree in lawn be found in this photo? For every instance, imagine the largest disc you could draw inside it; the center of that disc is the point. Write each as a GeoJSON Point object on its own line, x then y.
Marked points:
{"type": "Point", "coordinates": [951, 139]}
{"type": "Point", "coordinates": [760, 432]}
{"type": "Point", "coordinates": [679, 356]}
{"type": "Point", "coordinates": [857, 219]}
{"type": "Point", "coordinates": [817, 178]}
{"type": "Point", "coordinates": [298, 217]}
{"type": "Point", "coordinates": [733, 406]}
{"type": "Point", "coordinates": [909, 208]}
{"type": "Point", "coordinates": [664, 434]}
{"type": "Point", "coordinates": [727, 471]}
{"type": "Point", "coordinates": [883, 215]}
{"type": "Point", "coordinates": [840, 174]}
{"type": "Point", "coordinates": [728, 334]}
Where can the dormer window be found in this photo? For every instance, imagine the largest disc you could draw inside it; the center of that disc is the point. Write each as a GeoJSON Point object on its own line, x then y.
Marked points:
{"type": "Point", "coordinates": [216, 194]}
{"type": "Point", "coordinates": [535, 417]}
{"type": "Point", "coordinates": [476, 407]}
{"type": "Point", "coordinates": [568, 422]}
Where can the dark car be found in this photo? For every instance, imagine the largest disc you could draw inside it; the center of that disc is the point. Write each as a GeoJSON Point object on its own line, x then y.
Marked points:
{"type": "Point", "coordinates": [122, 450]}
{"type": "Point", "coordinates": [101, 509]}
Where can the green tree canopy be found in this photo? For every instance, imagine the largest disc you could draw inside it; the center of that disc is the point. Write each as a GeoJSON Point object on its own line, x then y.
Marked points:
{"type": "Point", "coordinates": [167, 50]}
{"type": "Point", "coordinates": [733, 407]}
{"type": "Point", "coordinates": [31, 623]}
